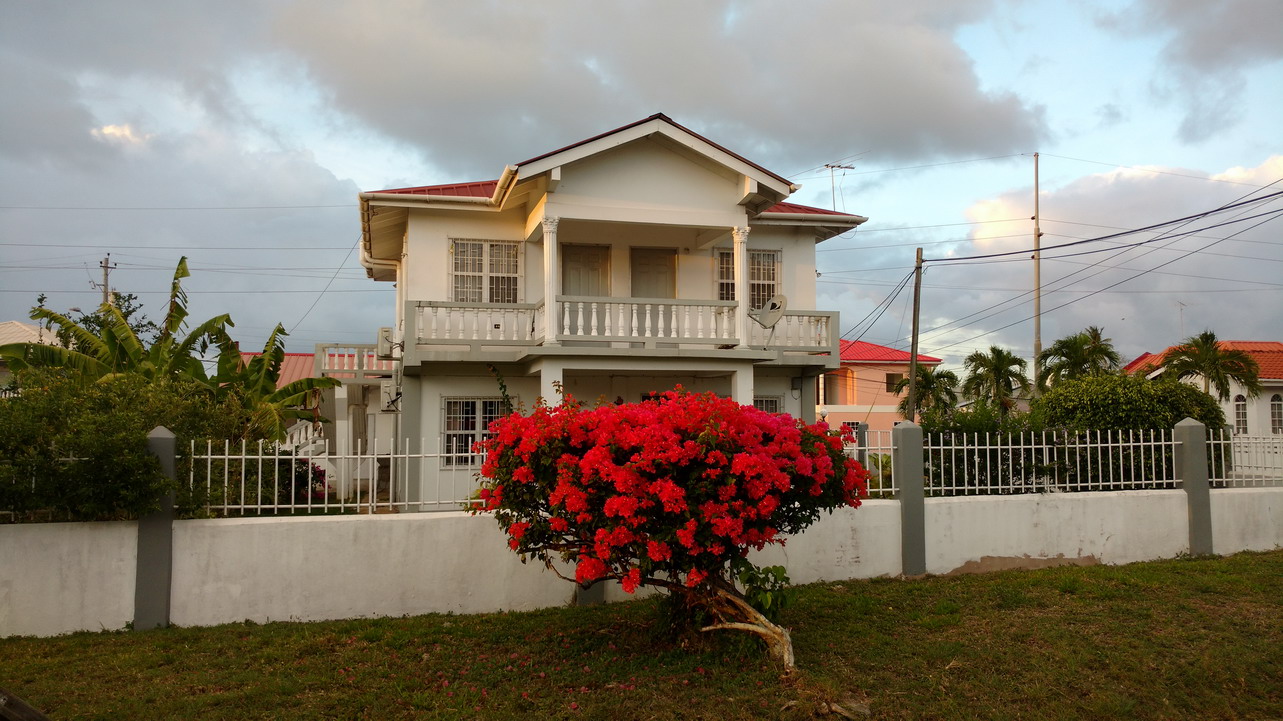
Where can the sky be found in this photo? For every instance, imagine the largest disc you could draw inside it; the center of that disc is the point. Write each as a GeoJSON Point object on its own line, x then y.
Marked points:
{"type": "Point", "coordinates": [239, 133]}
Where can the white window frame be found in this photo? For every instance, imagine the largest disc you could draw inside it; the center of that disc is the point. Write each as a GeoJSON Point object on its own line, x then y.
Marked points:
{"type": "Point", "coordinates": [471, 425]}
{"type": "Point", "coordinates": [486, 271]}
{"type": "Point", "coordinates": [1240, 415]}
{"type": "Point", "coordinates": [1276, 413]}
{"type": "Point", "coordinates": [765, 270]}
{"type": "Point", "coordinates": [769, 404]}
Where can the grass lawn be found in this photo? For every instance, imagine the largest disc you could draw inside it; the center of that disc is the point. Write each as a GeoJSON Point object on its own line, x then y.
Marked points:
{"type": "Point", "coordinates": [1192, 638]}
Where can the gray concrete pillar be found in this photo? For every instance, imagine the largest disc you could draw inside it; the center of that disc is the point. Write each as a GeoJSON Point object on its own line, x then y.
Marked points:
{"type": "Point", "coordinates": [1191, 468]}
{"type": "Point", "coordinates": [155, 561]}
{"type": "Point", "coordinates": [907, 465]}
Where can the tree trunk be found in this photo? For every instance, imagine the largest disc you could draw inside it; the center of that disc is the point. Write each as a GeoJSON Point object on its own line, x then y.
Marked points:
{"type": "Point", "coordinates": [733, 612]}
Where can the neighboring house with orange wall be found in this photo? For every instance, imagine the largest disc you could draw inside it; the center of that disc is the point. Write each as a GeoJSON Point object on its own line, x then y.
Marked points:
{"type": "Point", "coordinates": [861, 390]}
{"type": "Point", "coordinates": [1248, 416]}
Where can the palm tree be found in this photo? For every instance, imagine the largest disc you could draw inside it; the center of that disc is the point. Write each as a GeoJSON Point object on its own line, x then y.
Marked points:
{"type": "Point", "coordinates": [267, 407]}
{"type": "Point", "coordinates": [116, 347]}
{"type": "Point", "coordinates": [935, 389]}
{"type": "Point", "coordinates": [1085, 353]}
{"type": "Point", "coordinates": [1203, 355]}
{"type": "Point", "coordinates": [994, 377]}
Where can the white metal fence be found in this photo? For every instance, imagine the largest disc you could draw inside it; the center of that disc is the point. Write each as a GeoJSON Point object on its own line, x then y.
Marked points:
{"type": "Point", "coordinates": [1240, 461]}
{"type": "Point", "coordinates": [310, 477]}
{"type": "Point", "coordinates": [1050, 461]}
{"type": "Point", "coordinates": [236, 479]}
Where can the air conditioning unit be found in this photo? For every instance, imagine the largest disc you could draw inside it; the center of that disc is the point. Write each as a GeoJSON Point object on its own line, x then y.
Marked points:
{"type": "Point", "coordinates": [384, 346]}
{"type": "Point", "coordinates": [389, 397]}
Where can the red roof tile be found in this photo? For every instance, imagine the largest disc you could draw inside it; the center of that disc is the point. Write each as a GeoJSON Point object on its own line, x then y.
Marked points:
{"type": "Point", "coordinates": [858, 351]}
{"type": "Point", "coordinates": [1267, 354]}
{"type": "Point", "coordinates": [1144, 360]}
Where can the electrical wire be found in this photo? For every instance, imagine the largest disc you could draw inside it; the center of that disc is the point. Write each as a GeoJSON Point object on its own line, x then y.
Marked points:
{"type": "Point", "coordinates": [327, 285]}
{"type": "Point", "coordinates": [1097, 239]}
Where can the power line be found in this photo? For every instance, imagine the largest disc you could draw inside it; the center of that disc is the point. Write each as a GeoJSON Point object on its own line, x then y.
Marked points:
{"type": "Point", "coordinates": [1108, 287]}
{"type": "Point", "coordinates": [327, 286]}
{"type": "Point", "coordinates": [176, 247]}
{"type": "Point", "coordinates": [1155, 226]}
{"type": "Point", "coordinates": [173, 207]}
{"type": "Point", "coordinates": [1143, 169]}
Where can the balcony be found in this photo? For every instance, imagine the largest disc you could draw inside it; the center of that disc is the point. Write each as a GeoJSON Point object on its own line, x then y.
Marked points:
{"type": "Point", "coordinates": [607, 322]}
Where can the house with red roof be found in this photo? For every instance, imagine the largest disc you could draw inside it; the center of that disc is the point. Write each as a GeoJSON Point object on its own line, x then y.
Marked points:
{"type": "Point", "coordinates": [628, 263]}
{"type": "Point", "coordinates": [1247, 415]}
{"type": "Point", "coordinates": [862, 388]}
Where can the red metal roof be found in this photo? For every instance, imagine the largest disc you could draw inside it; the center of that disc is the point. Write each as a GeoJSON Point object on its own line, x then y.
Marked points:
{"type": "Point", "coordinates": [295, 366]}
{"type": "Point", "coordinates": [804, 210]}
{"type": "Point", "coordinates": [858, 351]}
{"type": "Point", "coordinates": [478, 189]}
{"type": "Point", "coordinates": [1268, 355]}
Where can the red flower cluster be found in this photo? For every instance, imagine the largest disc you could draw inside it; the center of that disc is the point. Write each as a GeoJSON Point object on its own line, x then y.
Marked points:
{"type": "Point", "coordinates": [673, 488]}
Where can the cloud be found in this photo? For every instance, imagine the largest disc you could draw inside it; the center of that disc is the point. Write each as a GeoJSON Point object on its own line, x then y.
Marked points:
{"type": "Point", "coordinates": [1151, 296]}
{"type": "Point", "coordinates": [477, 85]}
{"type": "Point", "coordinates": [1208, 50]}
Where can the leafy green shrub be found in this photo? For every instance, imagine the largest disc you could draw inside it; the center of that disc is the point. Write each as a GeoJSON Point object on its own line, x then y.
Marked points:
{"type": "Point", "coordinates": [76, 451]}
{"type": "Point", "coordinates": [1120, 402]}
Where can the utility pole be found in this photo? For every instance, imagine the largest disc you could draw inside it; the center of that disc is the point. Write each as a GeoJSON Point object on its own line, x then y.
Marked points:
{"type": "Point", "coordinates": [913, 352]}
{"type": "Point", "coordinates": [1037, 286]}
{"type": "Point", "coordinates": [833, 188]}
{"type": "Point", "coordinates": [107, 267]}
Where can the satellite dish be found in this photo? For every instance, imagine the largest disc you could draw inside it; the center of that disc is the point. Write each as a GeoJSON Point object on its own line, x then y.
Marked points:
{"type": "Point", "coordinates": [768, 315]}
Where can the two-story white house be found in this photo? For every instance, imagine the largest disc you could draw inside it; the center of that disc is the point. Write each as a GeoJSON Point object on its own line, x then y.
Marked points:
{"type": "Point", "coordinates": [616, 267]}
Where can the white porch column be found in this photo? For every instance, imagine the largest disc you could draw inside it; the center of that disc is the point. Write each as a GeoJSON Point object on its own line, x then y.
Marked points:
{"type": "Point", "coordinates": [550, 376]}
{"type": "Point", "coordinates": [742, 386]}
{"type": "Point", "coordinates": [740, 236]}
{"type": "Point", "coordinates": [551, 281]}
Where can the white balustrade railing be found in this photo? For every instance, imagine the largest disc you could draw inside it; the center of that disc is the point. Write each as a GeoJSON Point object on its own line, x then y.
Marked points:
{"type": "Point", "coordinates": [438, 323]}
{"type": "Point", "coordinates": [706, 322]}
{"type": "Point", "coordinates": [354, 360]}
{"type": "Point", "coordinates": [800, 330]}
{"type": "Point", "coordinates": [608, 320]}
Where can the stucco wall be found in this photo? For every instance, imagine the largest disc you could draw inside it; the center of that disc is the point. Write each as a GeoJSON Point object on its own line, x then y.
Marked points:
{"type": "Point", "coordinates": [1110, 528]}
{"type": "Point", "coordinates": [1246, 519]}
{"type": "Point", "coordinates": [58, 578]}
{"type": "Point", "coordinates": [309, 569]}
{"type": "Point", "coordinates": [62, 577]}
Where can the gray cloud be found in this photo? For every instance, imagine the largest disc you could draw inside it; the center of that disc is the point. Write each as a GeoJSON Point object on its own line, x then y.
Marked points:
{"type": "Point", "coordinates": [481, 84]}
{"type": "Point", "coordinates": [1209, 48]}
{"type": "Point", "coordinates": [1175, 293]}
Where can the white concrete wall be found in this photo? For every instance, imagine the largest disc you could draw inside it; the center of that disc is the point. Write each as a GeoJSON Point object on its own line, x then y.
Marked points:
{"type": "Point", "coordinates": [59, 578]}
{"type": "Point", "coordinates": [1246, 519]}
{"type": "Point", "coordinates": [990, 532]}
{"type": "Point", "coordinates": [859, 542]}
{"type": "Point", "coordinates": [310, 569]}
{"type": "Point", "coordinates": [62, 577]}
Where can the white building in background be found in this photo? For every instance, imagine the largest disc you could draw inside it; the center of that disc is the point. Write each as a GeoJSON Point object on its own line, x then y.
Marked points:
{"type": "Point", "coordinates": [1247, 415]}
{"type": "Point", "coordinates": [613, 268]}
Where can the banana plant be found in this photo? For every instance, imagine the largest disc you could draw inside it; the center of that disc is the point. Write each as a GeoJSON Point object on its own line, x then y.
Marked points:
{"type": "Point", "coordinates": [268, 408]}
{"type": "Point", "coordinates": [117, 348]}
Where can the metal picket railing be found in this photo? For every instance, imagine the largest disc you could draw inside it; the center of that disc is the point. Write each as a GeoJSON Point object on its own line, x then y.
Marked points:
{"type": "Point", "coordinates": [1242, 461]}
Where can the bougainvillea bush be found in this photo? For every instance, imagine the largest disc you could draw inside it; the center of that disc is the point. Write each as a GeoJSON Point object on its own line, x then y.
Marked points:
{"type": "Point", "coordinates": [670, 492]}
